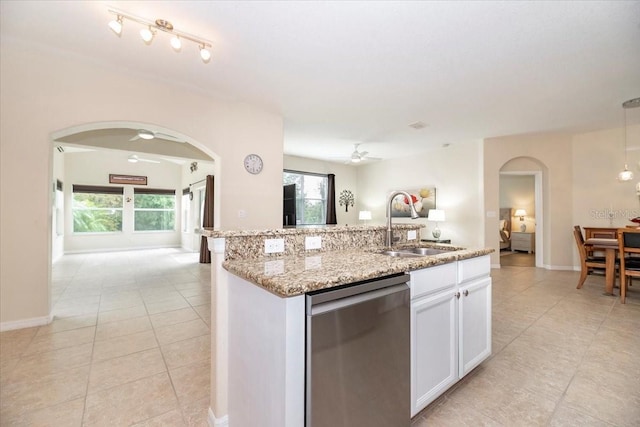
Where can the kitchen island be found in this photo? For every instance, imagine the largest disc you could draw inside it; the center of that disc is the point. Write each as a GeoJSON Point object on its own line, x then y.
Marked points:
{"type": "Point", "coordinates": [260, 309]}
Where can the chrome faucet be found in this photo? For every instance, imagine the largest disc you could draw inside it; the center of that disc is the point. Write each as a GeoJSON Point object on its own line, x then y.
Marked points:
{"type": "Point", "coordinates": [414, 214]}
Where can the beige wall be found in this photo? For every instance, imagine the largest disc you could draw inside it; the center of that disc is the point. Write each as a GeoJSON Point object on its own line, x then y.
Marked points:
{"type": "Point", "coordinates": [455, 171]}
{"type": "Point", "coordinates": [345, 180]}
{"type": "Point", "coordinates": [598, 157]}
{"type": "Point", "coordinates": [43, 92]}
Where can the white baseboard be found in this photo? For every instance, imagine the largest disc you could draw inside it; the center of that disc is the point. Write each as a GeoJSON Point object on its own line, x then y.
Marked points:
{"type": "Point", "coordinates": [26, 323]}
{"type": "Point", "coordinates": [125, 249]}
{"type": "Point", "coordinates": [549, 267]}
{"type": "Point", "coordinates": [217, 422]}
{"type": "Point", "coordinates": [561, 267]}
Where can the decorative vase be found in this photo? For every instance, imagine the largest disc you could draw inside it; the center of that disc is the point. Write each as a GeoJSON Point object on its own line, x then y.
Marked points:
{"type": "Point", "coordinates": [523, 227]}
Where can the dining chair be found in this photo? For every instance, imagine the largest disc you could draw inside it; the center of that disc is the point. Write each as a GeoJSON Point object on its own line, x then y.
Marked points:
{"type": "Point", "coordinates": [629, 248]}
{"type": "Point", "coordinates": [587, 262]}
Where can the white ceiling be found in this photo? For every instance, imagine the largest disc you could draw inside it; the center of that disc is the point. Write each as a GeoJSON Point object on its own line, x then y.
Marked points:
{"type": "Point", "coordinates": [360, 72]}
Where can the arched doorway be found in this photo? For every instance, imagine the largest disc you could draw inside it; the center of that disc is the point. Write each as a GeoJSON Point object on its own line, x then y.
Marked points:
{"type": "Point", "coordinates": [525, 177]}
{"type": "Point", "coordinates": [166, 157]}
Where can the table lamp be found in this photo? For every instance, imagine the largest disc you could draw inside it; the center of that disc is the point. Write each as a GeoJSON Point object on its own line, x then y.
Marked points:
{"type": "Point", "coordinates": [521, 213]}
{"type": "Point", "coordinates": [435, 215]}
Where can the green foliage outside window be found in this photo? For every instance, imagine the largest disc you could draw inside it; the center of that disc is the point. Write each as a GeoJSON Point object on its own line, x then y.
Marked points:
{"type": "Point", "coordinates": [97, 212]}
{"type": "Point", "coordinates": [154, 212]}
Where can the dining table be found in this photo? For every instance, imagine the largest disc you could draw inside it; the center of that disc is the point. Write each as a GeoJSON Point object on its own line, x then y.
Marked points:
{"type": "Point", "coordinates": [609, 246]}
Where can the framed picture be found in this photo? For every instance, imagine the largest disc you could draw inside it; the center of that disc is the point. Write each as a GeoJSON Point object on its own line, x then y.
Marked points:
{"type": "Point", "coordinates": [115, 178]}
{"type": "Point", "coordinates": [423, 200]}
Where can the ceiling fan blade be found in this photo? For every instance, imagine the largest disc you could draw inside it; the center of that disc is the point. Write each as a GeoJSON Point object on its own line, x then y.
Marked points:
{"type": "Point", "coordinates": [168, 137]}
{"type": "Point", "coordinates": [364, 153]}
{"type": "Point", "coordinates": [134, 138]}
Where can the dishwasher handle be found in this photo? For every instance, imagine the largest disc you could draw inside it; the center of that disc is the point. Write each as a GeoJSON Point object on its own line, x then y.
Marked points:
{"type": "Point", "coordinates": [328, 306]}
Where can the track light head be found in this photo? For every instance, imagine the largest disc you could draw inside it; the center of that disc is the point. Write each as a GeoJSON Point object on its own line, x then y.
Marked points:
{"type": "Point", "coordinates": [176, 43]}
{"type": "Point", "coordinates": [147, 35]}
{"type": "Point", "coordinates": [205, 54]}
{"type": "Point", "coordinates": [116, 25]}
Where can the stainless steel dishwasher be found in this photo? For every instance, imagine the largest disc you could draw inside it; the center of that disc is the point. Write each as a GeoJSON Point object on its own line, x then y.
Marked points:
{"type": "Point", "coordinates": [358, 355]}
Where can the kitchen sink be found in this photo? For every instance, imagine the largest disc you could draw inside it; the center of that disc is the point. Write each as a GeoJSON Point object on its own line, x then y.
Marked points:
{"type": "Point", "coordinates": [415, 252]}
{"type": "Point", "coordinates": [430, 251]}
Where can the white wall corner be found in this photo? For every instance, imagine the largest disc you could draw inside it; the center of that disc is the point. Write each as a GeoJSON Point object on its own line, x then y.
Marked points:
{"type": "Point", "coordinates": [217, 422]}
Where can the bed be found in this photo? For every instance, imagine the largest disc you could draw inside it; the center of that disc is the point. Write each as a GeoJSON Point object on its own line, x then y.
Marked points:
{"type": "Point", "coordinates": [504, 228]}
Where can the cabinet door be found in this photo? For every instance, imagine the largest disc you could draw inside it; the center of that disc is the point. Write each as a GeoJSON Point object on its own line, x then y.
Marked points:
{"type": "Point", "coordinates": [475, 324]}
{"type": "Point", "coordinates": [434, 342]}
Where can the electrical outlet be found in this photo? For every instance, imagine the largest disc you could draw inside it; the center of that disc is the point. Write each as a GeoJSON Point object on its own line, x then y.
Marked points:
{"type": "Point", "coordinates": [411, 235]}
{"type": "Point", "coordinates": [312, 242]}
{"type": "Point", "coordinates": [272, 246]}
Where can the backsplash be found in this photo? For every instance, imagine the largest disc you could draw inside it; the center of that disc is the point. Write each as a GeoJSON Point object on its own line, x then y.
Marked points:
{"type": "Point", "coordinates": [244, 244]}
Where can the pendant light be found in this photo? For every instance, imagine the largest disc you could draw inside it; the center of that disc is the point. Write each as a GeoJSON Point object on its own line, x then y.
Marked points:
{"type": "Point", "coordinates": [626, 174]}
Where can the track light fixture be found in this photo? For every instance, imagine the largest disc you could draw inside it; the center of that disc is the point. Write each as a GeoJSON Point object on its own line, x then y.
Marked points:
{"type": "Point", "coordinates": [151, 27]}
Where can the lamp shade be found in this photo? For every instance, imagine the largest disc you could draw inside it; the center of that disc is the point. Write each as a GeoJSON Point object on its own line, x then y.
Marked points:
{"type": "Point", "coordinates": [364, 215]}
{"type": "Point", "coordinates": [520, 212]}
{"type": "Point", "coordinates": [435, 215]}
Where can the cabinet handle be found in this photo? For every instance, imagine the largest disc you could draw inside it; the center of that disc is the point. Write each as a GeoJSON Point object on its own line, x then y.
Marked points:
{"type": "Point", "coordinates": [458, 295]}
{"type": "Point", "coordinates": [466, 292]}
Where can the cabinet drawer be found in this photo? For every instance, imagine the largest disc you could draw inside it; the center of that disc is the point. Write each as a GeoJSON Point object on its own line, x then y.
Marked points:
{"type": "Point", "coordinates": [432, 279]}
{"type": "Point", "coordinates": [473, 268]}
{"type": "Point", "coordinates": [521, 238]}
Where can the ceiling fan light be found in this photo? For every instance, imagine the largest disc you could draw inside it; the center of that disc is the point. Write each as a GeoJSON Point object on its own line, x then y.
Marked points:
{"type": "Point", "coordinates": [116, 26]}
{"type": "Point", "coordinates": [205, 54]}
{"type": "Point", "coordinates": [356, 159]}
{"type": "Point", "coordinates": [147, 35]}
{"type": "Point", "coordinates": [176, 43]}
{"type": "Point", "coordinates": [133, 159]}
{"type": "Point", "coordinates": [145, 134]}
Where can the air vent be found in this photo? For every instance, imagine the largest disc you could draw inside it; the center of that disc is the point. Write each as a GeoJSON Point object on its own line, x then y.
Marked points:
{"type": "Point", "coordinates": [418, 125]}
{"type": "Point", "coordinates": [60, 149]}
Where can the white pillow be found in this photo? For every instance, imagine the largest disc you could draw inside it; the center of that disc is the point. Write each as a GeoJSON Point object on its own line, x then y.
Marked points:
{"type": "Point", "coordinates": [502, 223]}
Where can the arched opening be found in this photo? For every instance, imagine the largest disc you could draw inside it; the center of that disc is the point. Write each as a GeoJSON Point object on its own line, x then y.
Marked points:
{"type": "Point", "coordinates": [521, 194]}
{"type": "Point", "coordinates": [156, 159]}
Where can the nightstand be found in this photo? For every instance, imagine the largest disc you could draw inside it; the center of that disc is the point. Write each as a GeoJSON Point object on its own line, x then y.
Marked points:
{"type": "Point", "coordinates": [436, 241]}
{"type": "Point", "coordinates": [523, 241]}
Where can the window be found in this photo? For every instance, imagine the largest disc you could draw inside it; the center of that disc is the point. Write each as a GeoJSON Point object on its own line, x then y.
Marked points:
{"type": "Point", "coordinates": [153, 209]}
{"type": "Point", "coordinates": [97, 209]}
{"type": "Point", "coordinates": [311, 196]}
{"type": "Point", "coordinates": [186, 209]}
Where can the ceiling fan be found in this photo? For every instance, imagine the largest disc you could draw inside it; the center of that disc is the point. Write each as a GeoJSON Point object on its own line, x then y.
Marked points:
{"type": "Point", "coordinates": [359, 156]}
{"type": "Point", "coordinates": [147, 134]}
{"type": "Point", "coordinates": [135, 159]}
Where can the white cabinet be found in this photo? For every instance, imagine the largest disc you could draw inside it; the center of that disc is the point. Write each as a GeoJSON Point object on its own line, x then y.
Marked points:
{"type": "Point", "coordinates": [434, 344]}
{"type": "Point", "coordinates": [474, 318]}
{"type": "Point", "coordinates": [450, 326]}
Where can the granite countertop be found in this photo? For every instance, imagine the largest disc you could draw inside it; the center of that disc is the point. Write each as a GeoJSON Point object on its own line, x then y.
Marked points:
{"type": "Point", "coordinates": [298, 274]}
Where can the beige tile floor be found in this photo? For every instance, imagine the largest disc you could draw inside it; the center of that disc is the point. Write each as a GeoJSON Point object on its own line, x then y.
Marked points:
{"type": "Point", "coordinates": [130, 346]}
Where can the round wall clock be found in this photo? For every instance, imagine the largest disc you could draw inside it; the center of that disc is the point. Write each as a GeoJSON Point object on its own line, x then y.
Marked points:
{"type": "Point", "coordinates": [253, 163]}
